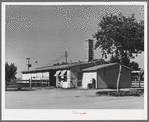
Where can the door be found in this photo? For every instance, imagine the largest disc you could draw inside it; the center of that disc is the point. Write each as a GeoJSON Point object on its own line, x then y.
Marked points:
{"type": "Point", "coordinates": [79, 83]}
{"type": "Point", "coordinates": [52, 78]}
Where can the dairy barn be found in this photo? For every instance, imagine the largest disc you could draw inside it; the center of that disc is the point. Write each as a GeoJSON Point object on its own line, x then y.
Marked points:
{"type": "Point", "coordinates": [82, 73]}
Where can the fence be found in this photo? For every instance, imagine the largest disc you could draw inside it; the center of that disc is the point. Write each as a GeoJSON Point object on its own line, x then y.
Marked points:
{"type": "Point", "coordinates": [28, 83]}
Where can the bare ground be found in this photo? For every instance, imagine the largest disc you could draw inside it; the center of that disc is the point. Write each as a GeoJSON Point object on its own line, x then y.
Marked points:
{"type": "Point", "coordinates": [68, 99]}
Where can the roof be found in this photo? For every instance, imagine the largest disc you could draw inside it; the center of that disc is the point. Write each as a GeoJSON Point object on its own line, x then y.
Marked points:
{"type": "Point", "coordinates": [94, 68]}
{"type": "Point", "coordinates": [57, 67]}
{"type": "Point", "coordinates": [47, 68]}
{"type": "Point", "coordinates": [136, 71]}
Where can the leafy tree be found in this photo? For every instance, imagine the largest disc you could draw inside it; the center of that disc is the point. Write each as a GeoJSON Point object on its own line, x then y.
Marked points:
{"type": "Point", "coordinates": [134, 65]}
{"type": "Point", "coordinates": [10, 72]}
{"type": "Point", "coordinates": [115, 59]}
{"type": "Point", "coordinates": [125, 33]}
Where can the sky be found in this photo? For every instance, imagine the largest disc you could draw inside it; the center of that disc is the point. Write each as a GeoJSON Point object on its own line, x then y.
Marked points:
{"type": "Point", "coordinates": [45, 32]}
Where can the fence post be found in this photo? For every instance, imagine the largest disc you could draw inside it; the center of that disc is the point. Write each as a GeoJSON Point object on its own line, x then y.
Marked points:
{"type": "Point", "coordinates": [139, 80]}
{"type": "Point", "coordinates": [30, 80]}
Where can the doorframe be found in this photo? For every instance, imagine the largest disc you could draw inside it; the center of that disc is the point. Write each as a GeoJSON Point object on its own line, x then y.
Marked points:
{"type": "Point", "coordinates": [97, 79]}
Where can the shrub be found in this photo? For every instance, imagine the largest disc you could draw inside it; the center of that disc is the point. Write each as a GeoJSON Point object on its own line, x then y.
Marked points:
{"type": "Point", "coordinates": [121, 93]}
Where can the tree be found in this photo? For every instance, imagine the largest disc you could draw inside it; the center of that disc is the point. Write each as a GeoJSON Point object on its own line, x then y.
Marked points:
{"type": "Point", "coordinates": [115, 59]}
{"type": "Point", "coordinates": [134, 65]}
{"type": "Point", "coordinates": [125, 33]}
{"type": "Point", "coordinates": [10, 72]}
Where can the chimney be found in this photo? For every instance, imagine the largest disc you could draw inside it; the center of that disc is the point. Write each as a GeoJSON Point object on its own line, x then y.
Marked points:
{"type": "Point", "coordinates": [89, 51]}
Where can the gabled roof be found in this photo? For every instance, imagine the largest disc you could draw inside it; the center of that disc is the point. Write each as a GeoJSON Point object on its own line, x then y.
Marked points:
{"type": "Point", "coordinates": [94, 68]}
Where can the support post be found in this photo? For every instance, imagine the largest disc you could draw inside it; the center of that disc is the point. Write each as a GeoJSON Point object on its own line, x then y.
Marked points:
{"type": "Point", "coordinates": [30, 81]}
{"type": "Point", "coordinates": [139, 80]}
{"type": "Point", "coordinates": [120, 68]}
{"type": "Point", "coordinates": [66, 56]}
{"type": "Point", "coordinates": [118, 79]}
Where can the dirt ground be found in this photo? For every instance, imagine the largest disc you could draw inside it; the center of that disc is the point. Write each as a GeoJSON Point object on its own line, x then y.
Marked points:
{"type": "Point", "coordinates": [44, 98]}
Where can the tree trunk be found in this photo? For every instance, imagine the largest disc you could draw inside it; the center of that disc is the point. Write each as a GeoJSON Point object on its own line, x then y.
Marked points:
{"type": "Point", "coordinates": [118, 79]}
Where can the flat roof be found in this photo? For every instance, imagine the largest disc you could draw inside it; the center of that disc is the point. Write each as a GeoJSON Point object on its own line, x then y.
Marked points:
{"type": "Point", "coordinates": [135, 71]}
{"type": "Point", "coordinates": [57, 67]}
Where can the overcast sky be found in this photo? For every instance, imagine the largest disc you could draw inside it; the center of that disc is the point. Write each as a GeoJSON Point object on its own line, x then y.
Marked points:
{"type": "Point", "coordinates": [44, 33]}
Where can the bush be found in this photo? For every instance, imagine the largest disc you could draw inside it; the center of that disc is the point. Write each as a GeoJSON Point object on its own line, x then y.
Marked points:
{"type": "Point", "coordinates": [121, 93]}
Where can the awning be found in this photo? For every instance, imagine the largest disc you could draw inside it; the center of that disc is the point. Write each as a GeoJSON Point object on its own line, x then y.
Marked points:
{"type": "Point", "coordinates": [57, 73]}
{"type": "Point", "coordinates": [63, 72]}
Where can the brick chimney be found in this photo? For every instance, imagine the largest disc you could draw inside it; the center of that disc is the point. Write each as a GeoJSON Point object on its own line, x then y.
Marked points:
{"type": "Point", "coordinates": [89, 51]}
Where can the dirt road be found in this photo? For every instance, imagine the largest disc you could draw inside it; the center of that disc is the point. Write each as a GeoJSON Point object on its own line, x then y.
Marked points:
{"type": "Point", "coordinates": [68, 99]}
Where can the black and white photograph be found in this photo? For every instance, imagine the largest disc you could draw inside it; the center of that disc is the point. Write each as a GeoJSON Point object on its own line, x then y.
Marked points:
{"type": "Point", "coordinates": [74, 61]}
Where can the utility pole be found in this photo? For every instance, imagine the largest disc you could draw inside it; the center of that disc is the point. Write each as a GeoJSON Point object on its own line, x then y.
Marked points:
{"type": "Point", "coordinates": [66, 56]}
{"type": "Point", "coordinates": [36, 64]}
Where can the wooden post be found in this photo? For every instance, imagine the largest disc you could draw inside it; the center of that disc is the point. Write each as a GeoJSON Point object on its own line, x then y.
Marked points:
{"type": "Point", "coordinates": [120, 69]}
{"type": "Point", "coordinates": [139, 80]}
{"type": "Point", "coordinates": [30, 81]}
{"type": "Point", "coordinates": [118, 79]}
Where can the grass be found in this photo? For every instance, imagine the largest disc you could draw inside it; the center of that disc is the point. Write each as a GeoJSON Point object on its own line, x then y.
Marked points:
{"type": "Point", "coordinates": [132, 92]}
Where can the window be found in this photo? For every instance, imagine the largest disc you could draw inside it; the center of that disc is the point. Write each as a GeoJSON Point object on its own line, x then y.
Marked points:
{"type": "Point", "coordinates": [79, 83]}
{"type": "Point", "coordinates": [64, 75]}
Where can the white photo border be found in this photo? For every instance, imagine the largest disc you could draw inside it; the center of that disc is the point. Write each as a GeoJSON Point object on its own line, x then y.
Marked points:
{"type": "Point", "coordinates": [67, 114]}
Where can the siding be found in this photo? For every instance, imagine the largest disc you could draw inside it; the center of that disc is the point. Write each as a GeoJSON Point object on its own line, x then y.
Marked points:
{"type": "Point", "coordinates": [74, 79]}
{"type": "Point", "coordinates": [87, 78]}
{"type": "Point", "coordinates": [107, 77]}
{"type": "Point", "coordinates": [125, 81]}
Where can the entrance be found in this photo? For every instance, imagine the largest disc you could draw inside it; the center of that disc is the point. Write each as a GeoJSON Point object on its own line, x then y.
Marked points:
{"type": "Point", "coordinates": [52, 78]}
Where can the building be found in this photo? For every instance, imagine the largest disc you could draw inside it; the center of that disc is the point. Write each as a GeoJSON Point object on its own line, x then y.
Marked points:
{"type": "Point", "coordinates": [106, 76]}
{"type": "Point", "coordinates": [67, 75]}
{"type": "Point", "coordinates": [80, 74]}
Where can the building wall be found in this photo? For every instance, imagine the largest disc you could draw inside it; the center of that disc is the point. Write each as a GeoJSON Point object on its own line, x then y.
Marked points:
{"type": "Point", "coordinates": [66, 84]}
{"type": "Point", "coordinates": [36, 76]}
{"type": "Point", "coordinates": [87, 78]}
{"type": "Point", "coordinates": [125, 80]}
{"type": "Point", "coordinates": [107, 77]}
{"type": "Point", "coordinates": [76, 69]}
{"type": "Point", "coordinates": [39, 76]}
{"type": "Point", "coordinates": [74, 76]}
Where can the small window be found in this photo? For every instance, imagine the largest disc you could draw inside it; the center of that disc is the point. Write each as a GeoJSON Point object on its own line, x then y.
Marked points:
{"type": "Point", "coordinates": [79, 76]}
{"type": "Point", "coordinates": [65, 77]}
